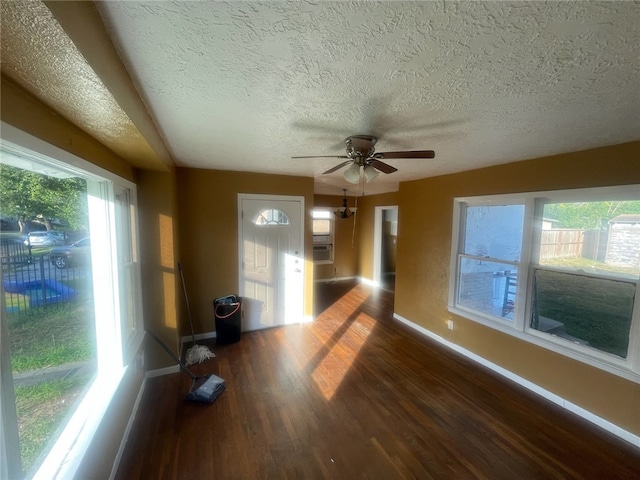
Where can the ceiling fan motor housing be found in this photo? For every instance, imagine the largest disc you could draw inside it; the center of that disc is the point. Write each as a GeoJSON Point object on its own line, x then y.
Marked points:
{"type": "Point", "coordinates": [360, 147]}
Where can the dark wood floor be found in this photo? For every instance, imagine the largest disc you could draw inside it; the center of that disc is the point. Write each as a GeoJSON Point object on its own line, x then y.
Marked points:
{"type": "Point", "coordinates": [357, 395]}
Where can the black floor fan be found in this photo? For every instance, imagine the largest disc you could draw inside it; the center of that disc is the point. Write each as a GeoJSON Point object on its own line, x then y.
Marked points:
{"type": "Point", "coordinates": [205, 388]}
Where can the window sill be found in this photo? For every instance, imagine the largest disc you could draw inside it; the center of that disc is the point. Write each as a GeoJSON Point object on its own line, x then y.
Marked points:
{"type": "Point", "coordinates": [616, 367]}
{"type": "Point", "coordinates": [323, 262]}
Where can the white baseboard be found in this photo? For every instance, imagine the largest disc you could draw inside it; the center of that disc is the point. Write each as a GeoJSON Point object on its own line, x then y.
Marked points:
{"type": "Point", "coordinates": [334, 279]}
{"type": "Point", "coordinates": [368, 281]}
{"type": "Point", "coordinates": [125, 437]}
{"type": "Point", "coordinates": [199, 336]}
{"type": "Point", "coordinates": [599, 421]}
{"type": "Point", "coordinates": [161, 371]}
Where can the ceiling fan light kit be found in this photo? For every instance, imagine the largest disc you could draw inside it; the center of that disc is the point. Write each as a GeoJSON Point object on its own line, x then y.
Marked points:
{"type": "Point", "coordinates": [370, 173]}
{"type": "Point", "coordinates": [352, 174]}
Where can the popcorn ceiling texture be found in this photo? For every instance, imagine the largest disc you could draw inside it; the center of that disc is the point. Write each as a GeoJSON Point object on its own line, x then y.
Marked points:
{"type": "Point", "coordinates": [37, 54]}
{"type": "Point", "coordinates": [246, 85]}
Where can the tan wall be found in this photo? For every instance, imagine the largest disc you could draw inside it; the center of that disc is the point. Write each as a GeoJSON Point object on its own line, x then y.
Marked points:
{"type": "Point", "coordinates": [207, 206]}
{"type": "Point", "coordinates": [162, 298]}
{"type": "Point", "coordinates": [422, 275]}
{"type": "Point", "coordinates": [345, 252]}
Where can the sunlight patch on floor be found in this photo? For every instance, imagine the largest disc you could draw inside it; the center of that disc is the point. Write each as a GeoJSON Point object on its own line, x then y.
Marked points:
{"type": "Point", "coordinates": [338, 360]}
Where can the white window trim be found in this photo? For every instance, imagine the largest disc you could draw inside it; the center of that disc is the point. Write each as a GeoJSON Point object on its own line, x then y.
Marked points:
{"type": "Point", "coordinates": [65, 456]}
{"type": "Point", "coordinates": [332, 228]}
{"type": "Point", "coordinates": [628, 368]}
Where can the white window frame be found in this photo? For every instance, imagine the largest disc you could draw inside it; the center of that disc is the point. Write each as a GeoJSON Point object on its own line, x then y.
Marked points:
{"type": "Point", "coordinates": [115, 346]}
{"type": "Point", "coordinates": [321, 213]}
{"type": "Point", "coordinates": [628, 368]}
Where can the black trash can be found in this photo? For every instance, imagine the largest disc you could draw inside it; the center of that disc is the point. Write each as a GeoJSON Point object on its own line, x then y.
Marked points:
{"type": "Point", "coordinates": [228, 315]}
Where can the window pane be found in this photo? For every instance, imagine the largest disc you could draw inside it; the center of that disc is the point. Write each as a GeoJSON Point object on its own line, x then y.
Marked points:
{"type": "Point", "coordinates": [595, 312]}
{"type": "Point", "coordinates": [488, 287]}
{"type": "Point", "coordinates": [272, 217]}
{"type": "Point", "coordinates": [321, 214]}
{"type": "Point", "coordinates": [48, 291]}
{"type": "Point", "coordinates": [321, 227]}
{"type": "Point", "coordinates": [592, 236]}
{"type": "Point", "coordinates": [494, 231]}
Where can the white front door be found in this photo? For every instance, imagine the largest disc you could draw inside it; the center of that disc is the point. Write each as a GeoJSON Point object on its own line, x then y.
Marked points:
{"type": "Point", "coordinates": [271, 259]}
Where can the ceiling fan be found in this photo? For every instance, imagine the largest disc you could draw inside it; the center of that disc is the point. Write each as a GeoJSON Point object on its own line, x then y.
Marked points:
{"type": "Point", "coordinates": [361, 154]}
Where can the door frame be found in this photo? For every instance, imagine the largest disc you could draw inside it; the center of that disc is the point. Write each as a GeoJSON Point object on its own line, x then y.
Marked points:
{"type": "Point", "coordinates": [377, 242]}
{"type": "Point", "coordinates": [267, 197]}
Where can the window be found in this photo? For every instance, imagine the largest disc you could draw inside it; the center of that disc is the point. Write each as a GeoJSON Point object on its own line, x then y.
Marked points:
{"type": "Point", "coordinates": [559, 269]}
{"type": "Point", "coordinates": [490, 256]}
{"type": "Point", "coordinates": [109, 281]}
{"type": "Point", "coordinates": [272, 217]}
{"type": "Point", "coordinates": [322, 236]}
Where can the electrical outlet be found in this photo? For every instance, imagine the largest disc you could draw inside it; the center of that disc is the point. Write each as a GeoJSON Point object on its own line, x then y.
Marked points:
{"type": "Point", "coordinates": [450, 324]}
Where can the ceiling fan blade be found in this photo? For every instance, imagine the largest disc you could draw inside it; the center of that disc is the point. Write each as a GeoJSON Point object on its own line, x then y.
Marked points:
{"type": "Point", "coordinates": [383, 167]}
{"type": "Point", "coordinates": [323, 156]}
{"type": "Point", "coordinates": [408, 154]}
{"type": "Point", "coordinates": [337, 167]}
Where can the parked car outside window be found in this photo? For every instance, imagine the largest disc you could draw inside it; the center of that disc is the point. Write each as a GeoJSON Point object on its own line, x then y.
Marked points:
{"type": "Point", "coordinates": [44, 239]}
{"type": "Point", "coordinates": [77, 253]}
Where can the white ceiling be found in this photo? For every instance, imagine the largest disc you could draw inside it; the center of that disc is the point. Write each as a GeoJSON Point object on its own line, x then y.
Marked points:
{"type": "Point", "coordinates": [246, 85]}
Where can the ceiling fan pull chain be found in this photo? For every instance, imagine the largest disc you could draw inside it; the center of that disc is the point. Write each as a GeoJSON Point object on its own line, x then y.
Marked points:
{"type": "Point", "coordinates": [355, 219]}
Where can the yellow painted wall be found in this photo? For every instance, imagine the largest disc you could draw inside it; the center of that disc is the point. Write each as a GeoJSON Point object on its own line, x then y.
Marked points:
{"type": "Point", "coordinates": [345, 251]}
{"type": "Point", "coordinates": [207, 207]}
{"type": "Point", "coordinates": [162, 298]}
{"type": "Point", "coordinates": [422, 275]}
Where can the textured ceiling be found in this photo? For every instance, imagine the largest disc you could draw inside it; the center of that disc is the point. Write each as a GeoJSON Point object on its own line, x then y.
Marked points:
{"type": "Point", "coordinates": [39, 56]}
{"type": "Point", "coordinates": [246, 85]}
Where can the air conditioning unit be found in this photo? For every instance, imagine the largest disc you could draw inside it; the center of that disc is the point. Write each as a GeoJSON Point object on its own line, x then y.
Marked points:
{"type": "Point", "coordinates": [321, 239]}
{"type": "Point", "coordinates": [323, 252]}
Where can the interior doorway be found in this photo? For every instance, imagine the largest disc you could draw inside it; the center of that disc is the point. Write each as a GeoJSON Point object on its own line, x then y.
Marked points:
{"type": "Point", "coordinates": [384, 246]}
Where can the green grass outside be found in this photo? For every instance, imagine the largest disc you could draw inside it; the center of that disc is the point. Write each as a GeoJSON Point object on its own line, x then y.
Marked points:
{"type": "Point", "coordinates": [41, 409]}
{"type": "Point", "coordinates": [592, 309]}
{"type": "Point", "coordinates": [52, 335]}
{"type": "Point", "coordinates": [47, 337]}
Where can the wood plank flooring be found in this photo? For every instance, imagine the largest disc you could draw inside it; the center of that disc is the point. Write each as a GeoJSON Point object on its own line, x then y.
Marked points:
{"type": "Point", "coordinates": [356, 395]}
